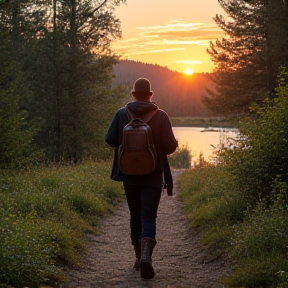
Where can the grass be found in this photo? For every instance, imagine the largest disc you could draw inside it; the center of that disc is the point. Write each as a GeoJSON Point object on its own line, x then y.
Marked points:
{"type": "Point", "coordinates": [45, 215]}
{"type": "Point", "coordinates": [255, 239]}
{"type": "Point", "coordinates": [209, 203]}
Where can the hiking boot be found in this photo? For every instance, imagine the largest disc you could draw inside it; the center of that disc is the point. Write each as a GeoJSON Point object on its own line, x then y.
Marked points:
{"type": "Point", "coordinates": [146, 269]}
{"type": "Point", "coordinates": [137, 249]}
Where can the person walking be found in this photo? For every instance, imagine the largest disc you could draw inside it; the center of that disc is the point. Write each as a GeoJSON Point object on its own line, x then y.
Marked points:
{"type": "Point", "coordinates": [143, 192]}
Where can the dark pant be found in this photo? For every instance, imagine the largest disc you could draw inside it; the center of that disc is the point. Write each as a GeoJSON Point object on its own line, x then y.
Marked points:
{"type": "Point", "coordinates": [143, 204]}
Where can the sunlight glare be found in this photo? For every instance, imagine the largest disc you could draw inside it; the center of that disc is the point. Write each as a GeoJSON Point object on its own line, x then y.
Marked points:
{"type": "Point", "coordinates": [188, 71]}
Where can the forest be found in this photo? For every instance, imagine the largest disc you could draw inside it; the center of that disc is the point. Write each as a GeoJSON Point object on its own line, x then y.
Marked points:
{"type": "Point", "coordinates": [55, 79]}
{"type": "Point", "coordinates": [61, 83]}
{"type": "Point", "coordinates": [178, 94]}
{"type": "Point", "coordinates": [58, 91]}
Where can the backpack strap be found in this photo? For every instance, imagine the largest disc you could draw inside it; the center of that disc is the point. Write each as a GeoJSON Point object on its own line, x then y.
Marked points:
{"type": "Point", "coordinates": [145, 117]}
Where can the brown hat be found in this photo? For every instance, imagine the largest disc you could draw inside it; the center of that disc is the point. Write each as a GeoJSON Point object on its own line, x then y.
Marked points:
{"type": "Point", "coordinates": [142, 86]}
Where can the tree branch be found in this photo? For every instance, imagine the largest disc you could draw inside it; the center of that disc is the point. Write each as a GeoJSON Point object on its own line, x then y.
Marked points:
{"type": "Point", "coordinates": [99, 7]}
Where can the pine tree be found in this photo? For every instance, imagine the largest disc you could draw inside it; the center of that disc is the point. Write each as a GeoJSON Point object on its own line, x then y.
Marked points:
{"type": "Point", "coordinates": [16, 136]}
{"type": "Point", "coordinates": [247, 60]}
{"type": "Point", "coordinates": [57, 81]}
{"type": "Point", "coordinates": [67, 63]}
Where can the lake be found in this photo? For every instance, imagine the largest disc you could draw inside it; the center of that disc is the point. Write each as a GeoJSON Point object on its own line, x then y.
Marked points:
{"type": "Point", "coordinates": [198, 141]}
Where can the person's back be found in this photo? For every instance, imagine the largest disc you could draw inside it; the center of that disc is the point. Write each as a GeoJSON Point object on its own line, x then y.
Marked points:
{"type": "Point", "coordinates": [143, 192]}
{"type": "Point", "coordinates": [137, 153]}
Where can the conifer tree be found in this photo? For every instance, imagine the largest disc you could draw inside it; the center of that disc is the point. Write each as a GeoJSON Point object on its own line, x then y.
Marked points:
{"type": "Point", "coordinates": [16, 148]}
{"type": "Point", "coordinates": [247, 59]}
{"type": "Point", "coordinates": [64, 64]}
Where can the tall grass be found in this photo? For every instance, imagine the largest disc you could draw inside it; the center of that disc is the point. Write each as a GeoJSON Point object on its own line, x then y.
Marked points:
{"type": "Point", "coordinates": [210, 203]}
{"type": "Point", "coordinates": [44, 216]}
{"type": "Point", "coordinates": [255, 238]}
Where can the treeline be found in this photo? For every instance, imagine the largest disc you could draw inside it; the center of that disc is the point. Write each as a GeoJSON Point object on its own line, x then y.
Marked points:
{"type": "Point", "coordinates": [176, 93]}
{"type": "Point", "coordinates": [55, 79]}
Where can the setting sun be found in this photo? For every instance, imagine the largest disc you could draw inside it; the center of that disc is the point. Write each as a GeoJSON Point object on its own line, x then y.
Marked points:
{"type": "Point", "coordinates": [176, 39]}
{"type": "Point", "coordinates": [188, 71]}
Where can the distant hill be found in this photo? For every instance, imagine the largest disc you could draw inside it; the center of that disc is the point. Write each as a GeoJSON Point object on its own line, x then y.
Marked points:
{"type": "Point", "coordinates": [176, 93]}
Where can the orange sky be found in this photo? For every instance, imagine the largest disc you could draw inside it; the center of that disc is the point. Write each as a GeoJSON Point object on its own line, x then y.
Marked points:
{"type": "Point", "coordinates": [172, 33]}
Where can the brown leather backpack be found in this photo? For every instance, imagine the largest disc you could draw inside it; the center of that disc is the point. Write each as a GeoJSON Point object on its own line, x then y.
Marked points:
{"type": "Point", "coordinates": [137, 154]}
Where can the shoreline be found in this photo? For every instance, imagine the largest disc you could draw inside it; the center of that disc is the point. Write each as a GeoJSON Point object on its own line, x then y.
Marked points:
{"type": "Point", "coordinates": [204, 122]}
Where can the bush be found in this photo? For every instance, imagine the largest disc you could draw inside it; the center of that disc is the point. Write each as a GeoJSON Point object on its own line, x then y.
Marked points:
{"type": "Point", "coordinates": [255, 239]}
{"type": "Point", "coordinates": [242, 206]}
{"type": "Point", "coordinates": [181, 158]}
{"type": "Point", "coordinates": [260, 170]}
{"type": "Point", "coordinates": [44, 215]}
{"type": "Point", "coordinates": [263, 155]}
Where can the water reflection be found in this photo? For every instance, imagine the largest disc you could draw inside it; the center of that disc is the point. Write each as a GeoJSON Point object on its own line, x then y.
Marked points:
{"type": "Point", "coordinates": [200, 140]}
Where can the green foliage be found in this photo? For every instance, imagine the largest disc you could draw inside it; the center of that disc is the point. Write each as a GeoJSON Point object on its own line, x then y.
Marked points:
{"type": "Point", "coordinates": [55, 79]}
{"type": "Point", "coordinates": [16, 148]}
{"type": "Point", "coordinates": [15, 138]}
{"type": "Point", "coordinates": [260, 169]}
{"type": "Point", "coordinates": [44, 216]}
{"type": "Point", "coordinates": [70, 85]}
{"type": "Point", "coordinates": [260, 247]}
{"type": "Point", "coordinates": [181, 158]}
{"type": "Point", "coordinates": [242, 206]}
{"type": "Point", "coordinates": [259, 272]}
{"type": "Point", "coordinates": [201, 162]}
{"type": "Point", "coordinates": [27, 255]}
{"type": "Point", "coordinates": [255, 239]}
{"type": "Point", "coordinates": [261, 158]}
{"type": "Point", "coordinates": [210, 202]}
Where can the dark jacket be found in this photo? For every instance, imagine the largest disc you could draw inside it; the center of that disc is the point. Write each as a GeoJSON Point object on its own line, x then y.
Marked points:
{"type": "Point", "coordinates": [163, 138]}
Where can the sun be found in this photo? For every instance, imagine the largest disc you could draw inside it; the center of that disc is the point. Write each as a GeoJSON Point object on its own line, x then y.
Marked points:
{"type": "Point", "coordinates": [188, 71]}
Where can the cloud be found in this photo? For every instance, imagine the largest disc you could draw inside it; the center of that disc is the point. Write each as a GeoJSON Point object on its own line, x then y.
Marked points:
{"type": "Point", "coordinates": [189, 62]}
{"type": "Point", "coordinates": [176, 35]}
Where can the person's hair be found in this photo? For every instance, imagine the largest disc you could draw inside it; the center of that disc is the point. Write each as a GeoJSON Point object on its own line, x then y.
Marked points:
{"type": "Point", "coordinates": [142, 89]}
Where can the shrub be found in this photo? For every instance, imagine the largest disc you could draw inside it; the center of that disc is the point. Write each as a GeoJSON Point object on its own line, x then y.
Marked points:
{"type": "Point", "coordinates": [260, 170]}
{"type": "Point", "coordinates": [181, 158]}
{"type": "Point", "coordinates": [263, 155]}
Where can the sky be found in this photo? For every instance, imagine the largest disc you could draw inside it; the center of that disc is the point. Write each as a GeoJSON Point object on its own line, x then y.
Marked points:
{"type": "Point", "coordinates": [170, 33]}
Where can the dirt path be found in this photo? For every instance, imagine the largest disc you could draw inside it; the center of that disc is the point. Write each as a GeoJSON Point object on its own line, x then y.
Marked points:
{"type": "Point", "coordinates": [177, 258]}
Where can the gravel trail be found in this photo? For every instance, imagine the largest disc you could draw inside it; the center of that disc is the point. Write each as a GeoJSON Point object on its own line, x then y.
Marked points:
{"type": "Point", "coordinates": [178, 259]}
